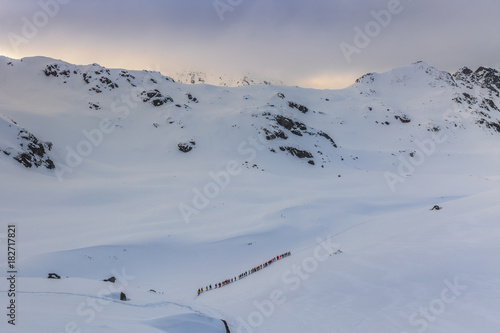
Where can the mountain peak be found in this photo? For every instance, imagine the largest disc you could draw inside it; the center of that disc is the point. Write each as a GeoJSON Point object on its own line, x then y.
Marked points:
{"type": "Point", "coordinates": [416, 74]}
{"type": "Point", "coordinates": [484, 77]}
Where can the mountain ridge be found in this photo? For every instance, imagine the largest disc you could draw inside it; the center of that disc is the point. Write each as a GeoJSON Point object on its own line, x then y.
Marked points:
{"type": "Point", "coordinates": [306, 124]}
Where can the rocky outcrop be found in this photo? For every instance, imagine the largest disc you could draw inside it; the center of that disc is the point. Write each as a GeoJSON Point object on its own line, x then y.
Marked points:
{"type": "Point", "coordinates": [301, 108]}
{"type": "Point", "coordinates": [155, 97]}
{"type": "Point", "coordinates": [186, 147]}
{"type": "Point", "coordinates": [23, 146]}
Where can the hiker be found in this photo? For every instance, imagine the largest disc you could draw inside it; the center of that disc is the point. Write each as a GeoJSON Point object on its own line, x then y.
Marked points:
{"type": "Point", "coordinates": [210, 287]}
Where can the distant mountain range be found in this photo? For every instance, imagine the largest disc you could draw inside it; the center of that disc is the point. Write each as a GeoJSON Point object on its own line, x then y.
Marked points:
{"type": "Point", "coordinates": [196, 77]}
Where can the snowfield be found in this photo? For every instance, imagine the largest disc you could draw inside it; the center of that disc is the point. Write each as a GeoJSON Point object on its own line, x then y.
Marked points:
{"type": "Point", "coordinates": [171, 187]}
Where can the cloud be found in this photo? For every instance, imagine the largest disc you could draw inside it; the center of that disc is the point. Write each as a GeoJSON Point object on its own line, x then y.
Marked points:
{"type": "Point", "coordinates": [293, 40]}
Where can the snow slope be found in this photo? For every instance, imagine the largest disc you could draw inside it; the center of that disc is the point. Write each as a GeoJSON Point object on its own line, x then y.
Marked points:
{"type": "Point", "coordinates": [172, 187]}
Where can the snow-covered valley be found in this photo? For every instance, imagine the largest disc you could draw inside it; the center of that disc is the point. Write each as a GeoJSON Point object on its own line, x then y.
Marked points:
{"type": "Point", "coordinates": [172, 187]}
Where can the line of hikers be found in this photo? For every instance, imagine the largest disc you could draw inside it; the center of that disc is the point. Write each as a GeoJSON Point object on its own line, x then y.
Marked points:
{"type": "Point", "coordinates": [244, 274]}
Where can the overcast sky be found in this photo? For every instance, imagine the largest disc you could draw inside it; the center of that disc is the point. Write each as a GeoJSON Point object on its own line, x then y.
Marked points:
{"type": "Point", "coordinates": [313, 43]}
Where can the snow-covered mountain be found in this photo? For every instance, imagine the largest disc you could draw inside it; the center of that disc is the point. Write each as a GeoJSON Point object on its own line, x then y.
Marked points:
{"type": "Point", "coordinates": [169, 187]}
{"type": "Point", "coordinates": [197, 77]}
{"type": "Point", "coordinates": [313, 126]}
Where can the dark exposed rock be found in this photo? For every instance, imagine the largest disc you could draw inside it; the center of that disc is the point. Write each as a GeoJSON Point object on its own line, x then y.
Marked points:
{"type": "Point", "coordinates": [434, 128]}
{"type": "Point", "coordinates": [111, 279]}
{"type": "Point", "coordinates": [326, 136]}
{"type": "Point", "coordinates": [404, 119]}
{"type": "Point", "coordinates": [186, 147]}
{"type": "Point", "coordinates": [28, 161]}
{"type": "Point", "coordinates": [191, 98]}
{"type": "Point", "coordinates": [490, 124]}
{"type": "Point", "coordinates": [24, 159]}
{"type": "Point", "coordinates": [436, 207]}
{"type": "Point", "coordinates": [86, 78]}
{"type": "Point", "coordinates": [108, 82]}
{"type": "Point", "coordinates": [285, 122]}
{"type": "Point", "coordinates": [94, 106]}
{"type": "Point", "coordinates": [488, 102]}
{"type": "Point", "coordinates": [102, 81]}
{"type": "Point", "coordinates": [49, 164]}
{"type": "Point", "coordinates": [123, 297]}
{"type": "Point", "coordinates": [53, 276]}
{"type": "Point", "coordinates": [293, 126]}
{"type": "Point", "coordinates": [469, 99]}
{"type": "Point", "coordinates": [51, 71]}
{"type": "Point", "coordinates": [466, 71]}
{"type": "Point", "coordinates": [297, 152]}
{"type": "Point", "coordinates": [277, 133]}
{"type": "Point", "coordinates": [369, 77]}
{"type": "Point", "coordinates": [126, 74]}
{"type": "Point", "coordinates": [56, 70]}
{"type": "Point", "coordinates": [33, 152]}
{"type": "Point", "coordinates": [155, 97]}
{"type": "Point", "coordinates": [299, 107]}
{"type": "Point", "coordinates": [487, 78]}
